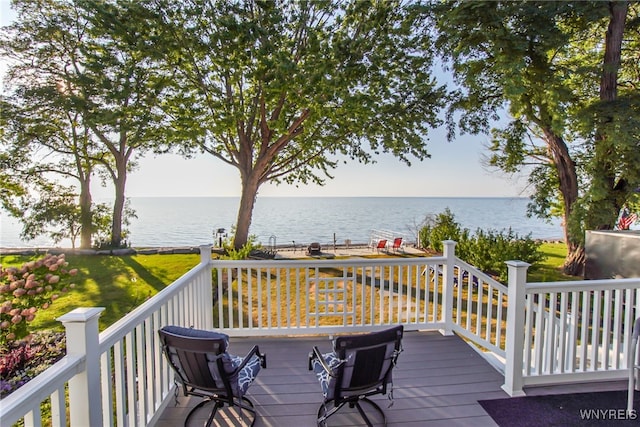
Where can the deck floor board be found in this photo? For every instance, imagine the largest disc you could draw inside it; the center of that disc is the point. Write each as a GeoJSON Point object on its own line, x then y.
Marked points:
{"type": "Point", "coordinates": [437, 382]}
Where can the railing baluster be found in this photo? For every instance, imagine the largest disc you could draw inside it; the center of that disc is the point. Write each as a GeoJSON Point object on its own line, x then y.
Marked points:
{"type": "Point", "coordinates": [140, 372]}
{"type": "Point", "coordinates": [595, 331]}
{"type": "Point", "coordinates": [106, 386]}
{"type": "Point", "coordinates": [561, 352]}
{"type": "Point", "coordinates": [618, 315]}
{"type": "Point", "coordinates": [529, 321]}
{"type": "Point", "coordinates": [33, 418]}
{"type": "Point", "coordinates": [606, 330]}
{"type": "Point", "coordinates": [150, 372]}
{"type": "Point", "coordinates": [59, 408]}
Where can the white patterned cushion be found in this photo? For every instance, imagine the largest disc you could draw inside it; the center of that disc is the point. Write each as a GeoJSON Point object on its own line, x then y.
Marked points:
{"type": "Point", "coordinates": [327, 382]}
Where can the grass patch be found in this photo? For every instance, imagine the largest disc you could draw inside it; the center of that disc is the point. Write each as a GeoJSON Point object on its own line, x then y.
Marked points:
{"type": "Point", "coordinates": [549, 270]}
{"type": "Point", "coordinates": [118, 283]}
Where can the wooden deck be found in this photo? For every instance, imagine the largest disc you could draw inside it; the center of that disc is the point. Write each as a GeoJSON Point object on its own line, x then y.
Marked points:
{"type": "Point", "coordinates": [437, 382]}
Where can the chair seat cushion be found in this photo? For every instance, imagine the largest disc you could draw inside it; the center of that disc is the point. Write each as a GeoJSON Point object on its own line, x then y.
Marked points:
{"type": "Point", "coordinates": [327, 382]}
{"type": "Point", "coordinates": [246, 374]}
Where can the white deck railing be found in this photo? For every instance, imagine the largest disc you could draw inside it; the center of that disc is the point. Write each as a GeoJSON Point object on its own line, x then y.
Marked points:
{"type": "Point", "coordinates": [574, 331]}
{"type": "Point", "coordinates": [119, 377]}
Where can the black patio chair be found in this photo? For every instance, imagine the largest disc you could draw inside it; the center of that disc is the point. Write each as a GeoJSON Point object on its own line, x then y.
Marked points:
{"type": "Point", "coordinates": [204, 368]}
{"type": "Point", "coordinates": [358, 367]}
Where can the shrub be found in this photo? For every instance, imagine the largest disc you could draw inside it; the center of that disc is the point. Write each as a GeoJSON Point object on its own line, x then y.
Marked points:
{"type": "Point", "coordinates": [486, 250]}
{"type": "Point", "coordinates": [26, 290]}
{"type": "Point", "coordinates": [491, 249]}
{"type": "Point", "coordinates": [441, 227]}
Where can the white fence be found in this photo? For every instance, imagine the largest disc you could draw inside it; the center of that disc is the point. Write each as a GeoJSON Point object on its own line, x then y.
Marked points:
{"type": "Point", "coordinates": [573, 331]}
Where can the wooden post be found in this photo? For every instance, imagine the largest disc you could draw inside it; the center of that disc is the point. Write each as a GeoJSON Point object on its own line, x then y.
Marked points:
{"type": "Point", "coordinates": [207, 288]}
{"type": "Point", "coordinates": [85, 399]}
{"type": "Point", "coordinates": [513, 382]}
{"type": "Point", "coordinates": [449, 253]}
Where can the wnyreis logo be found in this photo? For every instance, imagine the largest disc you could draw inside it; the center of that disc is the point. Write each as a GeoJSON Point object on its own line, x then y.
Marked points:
{"type": "Point", "coordinates": [608, 414]}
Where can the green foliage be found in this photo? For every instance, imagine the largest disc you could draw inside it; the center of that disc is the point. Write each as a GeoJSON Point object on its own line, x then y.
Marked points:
{"type": "Point", "coordinates": [490, 249]}
{"type": "Point", "coordinates": [238, 254]}
{"type": "Point", "coordinates": [26, 290]}
{"type": "Point", "coordinates": [441, 227]}
{"type": "Point", "coordinates": [55, 213]}
{"type": "Point", "coordinates": [82, 100]}
{"type": "Point", "coordinates": [486, 250]}
{"type": "Point", "coordinates": [101, 219]}
{"type": "Point", "coordinates": [571, 93]}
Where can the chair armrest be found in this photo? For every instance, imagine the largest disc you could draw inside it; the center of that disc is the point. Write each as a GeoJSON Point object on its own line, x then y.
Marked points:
{"type": "Point", "coordinates": [255, 351]}
{"type": "Point", "coordinates": [315, 354]}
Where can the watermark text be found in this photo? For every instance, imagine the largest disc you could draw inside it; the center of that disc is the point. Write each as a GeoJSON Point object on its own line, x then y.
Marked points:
{"type": "Point", "coordinates": [608, 414]}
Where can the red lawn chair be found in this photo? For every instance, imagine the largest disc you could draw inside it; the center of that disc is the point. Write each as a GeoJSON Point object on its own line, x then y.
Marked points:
{"type": "Point", "coordinates": [382, 244]}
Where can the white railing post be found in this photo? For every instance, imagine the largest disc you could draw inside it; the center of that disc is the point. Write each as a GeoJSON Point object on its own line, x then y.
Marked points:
{"type": "Point", "coordinates": [515, 328]}
{"type": "Point", "coordinates": [207, 303]}
{"type": "Point", "coordinates": [449, 252]}
{"type": "Point", "coordinates": [85, 400]}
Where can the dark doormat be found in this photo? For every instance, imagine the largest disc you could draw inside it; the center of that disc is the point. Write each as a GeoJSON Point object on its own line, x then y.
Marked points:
{"type": "Point", "coordinates": [577, 409]}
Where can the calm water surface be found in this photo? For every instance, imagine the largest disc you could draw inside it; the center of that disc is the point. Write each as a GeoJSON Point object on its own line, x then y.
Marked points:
{"type": "Point", "coordinates": [191, 221]}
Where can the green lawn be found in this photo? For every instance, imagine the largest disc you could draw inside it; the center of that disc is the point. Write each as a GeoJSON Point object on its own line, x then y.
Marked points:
{"type": "Point", "coordinates": [549, 270]}
{"type": "Point", "coordinates": [118, 283]}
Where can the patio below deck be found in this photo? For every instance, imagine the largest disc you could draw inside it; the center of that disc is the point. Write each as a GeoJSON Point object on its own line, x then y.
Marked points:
{"type": "Point", "coordinates": [437, 382]}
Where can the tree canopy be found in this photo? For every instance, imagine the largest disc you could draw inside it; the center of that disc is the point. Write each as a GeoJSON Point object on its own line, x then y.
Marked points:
{"type": "Point", "coordinates": [544, 63]}
{"type": "Point", "coordinates": [83, 94]}
{"type": "Point", "coordinates": [280, 89]}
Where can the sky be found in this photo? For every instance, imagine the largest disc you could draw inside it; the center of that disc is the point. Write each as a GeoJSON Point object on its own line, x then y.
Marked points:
{"type": "Point", "coordinates": [455, 169]}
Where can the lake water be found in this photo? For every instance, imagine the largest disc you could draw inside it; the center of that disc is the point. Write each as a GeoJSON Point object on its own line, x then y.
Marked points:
{"type": "Point", "coordinates": [191, 221]}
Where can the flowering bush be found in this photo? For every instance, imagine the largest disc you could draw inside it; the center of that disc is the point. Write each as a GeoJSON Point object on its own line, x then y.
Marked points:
{"type": "Point", "coordinates": [25, 290]}
{"type": "Point", "coordinates": [21, 361]}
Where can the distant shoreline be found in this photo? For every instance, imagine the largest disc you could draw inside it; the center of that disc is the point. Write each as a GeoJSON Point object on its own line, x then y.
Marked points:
{"type": "Point", "coordinates": [169, 250]}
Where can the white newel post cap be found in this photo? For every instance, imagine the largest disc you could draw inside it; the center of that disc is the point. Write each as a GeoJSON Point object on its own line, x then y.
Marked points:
{"type": "Point", "coordinates": [81, 315]}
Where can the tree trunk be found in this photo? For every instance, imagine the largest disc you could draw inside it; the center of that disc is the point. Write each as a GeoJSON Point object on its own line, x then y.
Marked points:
{"type": "Point", "coordinates": [603, 212]}
{"type": "Point", "coordinates": [568, 185]}
{"type": "Point", "coordinates": [118, 205]}
{"type": "Point", "coordinates": [86, 214]}
{"type": "Point", "coordinates": [574, 262]}
{"type": "Point", "coordinates": [245, 211]}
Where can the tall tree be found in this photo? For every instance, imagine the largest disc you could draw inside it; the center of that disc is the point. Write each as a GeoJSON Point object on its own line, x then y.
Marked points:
{"type": "Point", "coordinates": [43, 123]}
{"type": "Point", "coordinates": [120, 93]}
{"type": "Point", "coordinates": [85, 92]}
{"type": "Point", "coordinates": [281, 90]}
{"type": "Point", "coordinates": [520, 57]}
